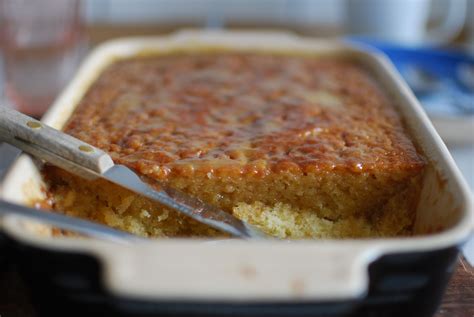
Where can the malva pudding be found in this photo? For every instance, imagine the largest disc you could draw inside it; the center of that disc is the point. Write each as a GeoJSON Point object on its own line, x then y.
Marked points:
{"type": "Point", "coordinates": [300, 146]}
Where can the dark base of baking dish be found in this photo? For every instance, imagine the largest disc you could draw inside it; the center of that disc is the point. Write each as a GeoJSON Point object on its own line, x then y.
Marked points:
{"type": "Point", "coordinates": [404, 284]}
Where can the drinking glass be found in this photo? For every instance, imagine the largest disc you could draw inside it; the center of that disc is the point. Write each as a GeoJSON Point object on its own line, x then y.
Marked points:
{"type": "Point", "coordinates": [42, 43]}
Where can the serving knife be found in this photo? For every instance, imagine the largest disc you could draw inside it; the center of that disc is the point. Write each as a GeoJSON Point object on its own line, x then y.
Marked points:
{"type": "Point", "coordinates": [87, 161]}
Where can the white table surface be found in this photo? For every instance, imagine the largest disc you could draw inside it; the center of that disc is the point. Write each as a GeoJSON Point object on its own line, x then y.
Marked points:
{"type": "Point", "coordinates": [464, 157]}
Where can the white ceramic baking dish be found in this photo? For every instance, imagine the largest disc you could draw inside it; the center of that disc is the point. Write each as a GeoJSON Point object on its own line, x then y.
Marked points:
{"type": "Point", "coordinates": [250, 271]}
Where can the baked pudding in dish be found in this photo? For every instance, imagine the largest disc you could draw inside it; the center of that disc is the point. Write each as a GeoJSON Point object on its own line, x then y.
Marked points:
{"type": "Point", "coordinates": [301, 146]}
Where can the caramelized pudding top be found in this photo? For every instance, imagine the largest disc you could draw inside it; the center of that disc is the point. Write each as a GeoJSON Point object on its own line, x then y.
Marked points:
{"type": "Point", "coordinates": [241, 113]}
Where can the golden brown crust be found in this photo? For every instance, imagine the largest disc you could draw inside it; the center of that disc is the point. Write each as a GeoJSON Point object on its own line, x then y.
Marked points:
{"type": "Point", "coordinates": [239, 114]}
{"type": "Point", "coordinates": [301, 147]}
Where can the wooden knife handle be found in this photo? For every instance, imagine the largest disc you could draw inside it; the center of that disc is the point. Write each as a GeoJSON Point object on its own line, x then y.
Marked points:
{"type": "Point", "coordinates": [51, 145]}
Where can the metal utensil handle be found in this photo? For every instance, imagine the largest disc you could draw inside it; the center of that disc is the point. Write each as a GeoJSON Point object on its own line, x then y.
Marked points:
{"type": "Point", "coordinates": [69, 223]}
{"type": "Point", "coordinates": [47, 143]}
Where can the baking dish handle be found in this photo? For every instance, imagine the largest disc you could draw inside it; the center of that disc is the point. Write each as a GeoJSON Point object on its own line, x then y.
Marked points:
{"type": "Point", "coordinates": [230, 270]}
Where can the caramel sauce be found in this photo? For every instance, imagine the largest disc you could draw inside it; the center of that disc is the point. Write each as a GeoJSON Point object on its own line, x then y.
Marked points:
{"type": "Point", "coordinates": [240, 113]}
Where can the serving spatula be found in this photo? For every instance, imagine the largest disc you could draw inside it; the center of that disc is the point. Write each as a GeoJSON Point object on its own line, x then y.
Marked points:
{"type": "Point", "coordinates": [87, 161]}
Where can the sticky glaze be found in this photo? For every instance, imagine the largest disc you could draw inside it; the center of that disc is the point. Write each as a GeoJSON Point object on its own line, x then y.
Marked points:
{"type": "Point", "coordinates": [236, 113]}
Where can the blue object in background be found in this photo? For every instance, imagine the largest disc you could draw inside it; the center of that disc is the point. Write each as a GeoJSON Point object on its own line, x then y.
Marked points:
{"type": "Point", "coordinates": [443, 80]}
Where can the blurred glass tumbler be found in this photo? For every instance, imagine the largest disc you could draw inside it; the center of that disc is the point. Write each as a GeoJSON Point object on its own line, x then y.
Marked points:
{"type": "Point", "coordinates": [42, 42]}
